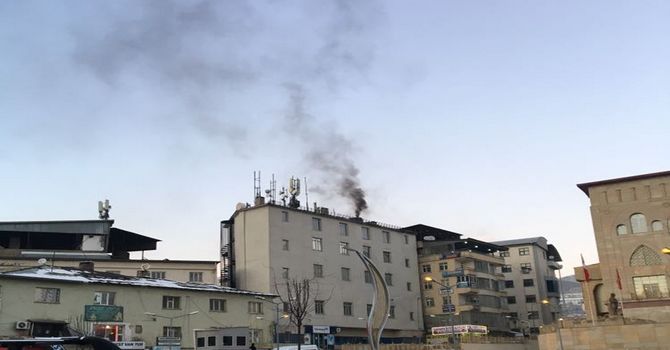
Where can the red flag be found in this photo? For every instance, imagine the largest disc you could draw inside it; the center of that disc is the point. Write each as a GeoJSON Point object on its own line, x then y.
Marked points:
{"type": "Point", "coordinates": [587, 275]}
{"type": "Point", "coordinates": [618, 279]}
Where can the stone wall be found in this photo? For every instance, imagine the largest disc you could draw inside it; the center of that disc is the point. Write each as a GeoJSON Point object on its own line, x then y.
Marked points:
{"type": "Point", "coordinates": [609, 336]}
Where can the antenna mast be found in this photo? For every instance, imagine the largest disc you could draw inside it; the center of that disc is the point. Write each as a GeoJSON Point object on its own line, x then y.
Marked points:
{"type": "Point", "coordinates": [103, 209]}
{"type": "Point", "coordinates": [306, 195]}
{"type": "Point", "coordinates": [257, 184]}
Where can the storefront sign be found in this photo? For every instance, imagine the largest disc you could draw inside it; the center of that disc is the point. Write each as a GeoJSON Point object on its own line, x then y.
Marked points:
{"type": "Point", "coordinates": [321, 329]}
{"type": "Point", "coordinates": [461, 329]}
{"type": "Point", "coordinates": [130, 345]}
{"type": "Point", "coordinates": [103, 313]}
{"type": "Point", "coordinates": [168, 341]}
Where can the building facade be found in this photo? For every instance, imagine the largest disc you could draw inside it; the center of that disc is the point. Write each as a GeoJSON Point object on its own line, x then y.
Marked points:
{"type": "Point", "coordinates": [39, 301]}
{"type": "Point", "coordinates": [266, 245]}
{"type": "Point", "coordinates": [462, 280]}
{"type": "Point", "coordinates": [533, 290]}
{"type": "Point", "coordinates": [631, 218]}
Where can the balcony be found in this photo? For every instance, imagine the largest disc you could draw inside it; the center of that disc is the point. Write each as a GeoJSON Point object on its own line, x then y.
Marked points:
{"type": "Point", "coordinates": [467, 256]}
{"type": "Point", "coordinates": [554, 265]}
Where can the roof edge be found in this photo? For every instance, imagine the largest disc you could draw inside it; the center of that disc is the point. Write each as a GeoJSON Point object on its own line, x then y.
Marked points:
{"type": "Point", "coordinates": [586, 185]}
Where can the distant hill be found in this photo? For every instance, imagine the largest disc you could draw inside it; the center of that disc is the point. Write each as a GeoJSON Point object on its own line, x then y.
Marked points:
{"type": "Point", "coordinates": [570, 285]}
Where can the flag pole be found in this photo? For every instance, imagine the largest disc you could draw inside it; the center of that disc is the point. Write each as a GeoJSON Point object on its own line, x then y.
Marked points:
{"type": "Point", "coordinates": [592, 304]}
{"type": "Point", "coordinates": [618, 282]}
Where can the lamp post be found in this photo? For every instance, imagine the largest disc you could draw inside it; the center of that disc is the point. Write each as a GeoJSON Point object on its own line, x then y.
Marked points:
{"type": "Point", "coordinates": [558, 324]}
{"type": "Point", "coordinates": [276, 305]}
{"type": "Point", "coordinates": [171, 318]}
{"type": "Point", "coordinates": [451, 314]}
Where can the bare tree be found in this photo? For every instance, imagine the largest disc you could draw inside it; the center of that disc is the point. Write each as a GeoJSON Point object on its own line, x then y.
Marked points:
{"type": "Point", "coordinates": [299, 298]}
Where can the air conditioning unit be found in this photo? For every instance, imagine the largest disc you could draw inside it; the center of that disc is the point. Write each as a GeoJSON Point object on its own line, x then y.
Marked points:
{"type": "Point", "coordinates": [23, 325]}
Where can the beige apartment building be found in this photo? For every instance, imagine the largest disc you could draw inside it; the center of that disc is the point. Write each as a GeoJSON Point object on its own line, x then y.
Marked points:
{"type": "Point", "coordinates": [267, 244]}
{"type": "Point", "coordinates": [134, 312]}
{"type": "Point", "coordinates": [631, 217]}
{"type": "Point", "coordinates": [533, 293]}
{"type": "Point", "coordinates": [462, 280]}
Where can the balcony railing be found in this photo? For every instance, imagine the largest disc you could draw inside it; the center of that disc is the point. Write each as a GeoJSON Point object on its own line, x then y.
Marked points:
{"type": "Point", "coordinates": [650, 296]}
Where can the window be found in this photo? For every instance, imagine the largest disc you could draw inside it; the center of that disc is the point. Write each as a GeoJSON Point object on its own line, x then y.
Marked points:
{"type": "Point", "coordinates": [388, 278]}
{"type": "Point", "coordinates": [406, 262]}
{"type": "Point", "coordinates": [509, 284]}
{"type": "Point", "coordinates": [531, 299]}
{"type": "Point", "coordinates": [507, 268]}
{"type": "Point", "coordinates": [528, 282]}
{"type": "Point", "coordinates": [387, 257]}
{"type": "Point", "coordinates": [157, 275]}
{"type": "Point", "coordinates": [427, 285]}
{"type": "Point", "coordinates": [526, 268]}
{"type": "Point", "coordinates": [255, 307]}
{"type": "Point", "coordinates": [344, 248]}
{"type": "Point", "coordinates": [511, 300]}
{"type": "Point", "coordinates": [284, 244]}
{"type": "Point", "coordinates": [172, 332]}
{"type": "Point", "coordinates": [211, 341]}
{"type": "Point", "coordinates": [316, 244]}
{"type": "Point", "coordinates": [533, 315]}
{"type": "Point", "coordinates": [200, 342]}
{"type": "Point", "coordinates": [430, 302]}
{"type": "Point", "coordinates": [638, 223]}
{"type": "Point", "coordinates": [645, 256]}
{"type": "Point", "coordinates": [444, 266]}
{"type": "Point", "coordinates": [481, 266]}
{"type": "Point", "coordinates": [425, 268]}
{"type": "Point", "coordinates": [366, 251]}
{"type": "Point", "coordinates": [504, 254]}
{"type": "Point", "coordinates": [345, 274]}
{"type": "Point", "coordinates": [651, 287]}
{"type": "Point", "coordinates": [344, 229]}
{"type": "Point", "coordinates": [195, 276]}
{"type": "Point", "coordinates": [316, 224]}
{"type": "Point", "coordinates": [386, 236]}
{"type": "Point", "coordinates": [621, 230]}
{"type": "Point", "coordinates": [241, 340]}
{"type": "Point", "coordinates": [406, 239]}
{"type": "Point", "coordinates": [171, 302]}
{"type": "Point", "coordinates": [347, 309]}
{"type": "Point", "coordinates": [392, 311]}
{"type": "Point", "coordinates": [409, 286]}
{"type": "Point", "coordinates": [285, 307]}
{"type": "Point", "coordinates": [656, 225]}
{"type": "Point", "coordinates": [368, 309]}
{"type": "Point", "coordinates": [47, 295]}
{"type": "Point", "coordinates": [284, 216]}
{"type": "Point", "coordinates": [367, 276]}
{"type": "Point", "coordinates": [524, 251]}
{"type": "Point", "coordinates": [227, 340]}
{"type": "Point", "coordinates": [318, 271]}
{"type": "Point", "coordinates": [284, 273]}
{"type": "Point", "coordinates": [103, 298]}
{"type": "Point", "coordinates": [411, 316]}
{"type": "Point", "coordinates": [318, 307]}
{"type": "Point", "coordinates": [365, 233]}
{"type": "Point", "coordinates": [217, 305]}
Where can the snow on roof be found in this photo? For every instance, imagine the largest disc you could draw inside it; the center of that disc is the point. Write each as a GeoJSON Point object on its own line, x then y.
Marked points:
{"type": "Point", "coordinates": [74, 275]}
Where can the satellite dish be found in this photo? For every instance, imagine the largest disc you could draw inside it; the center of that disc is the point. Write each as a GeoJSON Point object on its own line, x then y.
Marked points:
{"type": "Point", "coordinates": [145, 267]}
{"type": "Point", "coordinates": [428, 238]}
{"type": "Point", "coordinates": [42, 261]}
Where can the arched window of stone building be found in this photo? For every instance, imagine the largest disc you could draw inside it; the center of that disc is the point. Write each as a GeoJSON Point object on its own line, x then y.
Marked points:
{"type": "Point", "coordinates": [656, 225]}
{"type": "Point", "coordinates": [621, 230]}
{"type": "Point", "coordinates": [643, 256]}
{"type": "Point", "coordinates": [638, 223]}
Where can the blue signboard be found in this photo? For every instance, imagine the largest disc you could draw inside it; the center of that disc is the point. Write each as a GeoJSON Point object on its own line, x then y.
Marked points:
{"type": "Point", "coordinates": [448, 308]}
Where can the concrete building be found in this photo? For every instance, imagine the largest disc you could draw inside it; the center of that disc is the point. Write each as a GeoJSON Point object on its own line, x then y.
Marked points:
{"type": "Point", "coordinates": [631, 225]}
{"type": "Point", "coordinates": [470, 269]}
{"type": "Point", "coordinates": [267, 244]}
{"type": "Point", "coordinates": [135, 312]}
{"type": "Point", "coordinates": [530, 278]}
{"type": "Point", "coordinates": [66, 243]}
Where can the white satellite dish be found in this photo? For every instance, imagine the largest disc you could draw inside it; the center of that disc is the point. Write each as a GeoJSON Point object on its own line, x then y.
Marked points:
{"type": "Point", "coordinates": [428, 238]}
{"type": "Point", "coordinates": [42, 261]}
{"type": "Point", "coordinates": [145, 267]}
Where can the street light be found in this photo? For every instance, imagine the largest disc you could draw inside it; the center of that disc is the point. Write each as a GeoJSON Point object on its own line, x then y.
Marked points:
{"type": "Point", "coordinates": [171, 318]}
{"type": "Point", "coordinates": [276, 316]}
{"type": "Point", "coordinates": [451, 314]}
{"type": "Point", "coordinates": [558, 324]}
{"type": "Point", "coordinates": [666, 250]}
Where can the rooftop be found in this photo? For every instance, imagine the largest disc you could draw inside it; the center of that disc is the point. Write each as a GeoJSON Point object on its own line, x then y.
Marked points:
{"type": "Point", "coordinates": [585, 186]}
{"type": "Point", "coordinates": [74, 275]}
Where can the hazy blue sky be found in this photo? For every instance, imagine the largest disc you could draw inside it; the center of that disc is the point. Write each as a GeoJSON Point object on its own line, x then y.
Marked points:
{"type": "Point", "coordinates": [474, 116]}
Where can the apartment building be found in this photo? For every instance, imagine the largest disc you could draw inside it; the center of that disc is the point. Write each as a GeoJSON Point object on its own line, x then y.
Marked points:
{"type": "Point", "coordinates": [631, 218]}
{"type": "Point", "coordinates": [267, 244]}
{"type": "Point", "coordinates": [462, 280]}
{"type": "Point", "coordinates": [533, 294]}
{"type": "Point", "coordinates": [67, 243]}
{"type": "Point", "coordinates": [134, 312]}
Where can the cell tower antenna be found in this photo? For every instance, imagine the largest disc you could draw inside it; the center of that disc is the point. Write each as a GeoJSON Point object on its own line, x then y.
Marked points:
{"type": "Point", "coordinates": [257, 184]}
{"type": "Point", "coordinates": [294, 191]}
{"type": "Point", "coordinates": [103, 209]}
{"type": "Point", "coordinates": [273, 190]}
{"type": "Point", "coordinates": [306, 195]}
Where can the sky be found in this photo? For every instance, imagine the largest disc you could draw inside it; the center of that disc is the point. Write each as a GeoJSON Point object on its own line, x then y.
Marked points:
{"type": "Point", "coordinates": [478, 117]}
